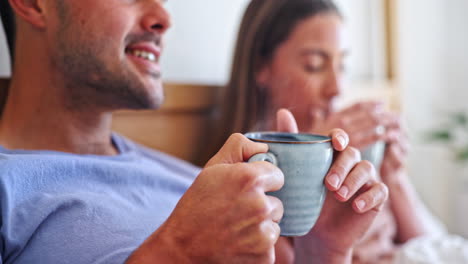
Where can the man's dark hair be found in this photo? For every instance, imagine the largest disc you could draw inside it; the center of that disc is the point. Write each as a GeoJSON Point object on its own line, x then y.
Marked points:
{"type": "Point", "coordinates": [8, 20]}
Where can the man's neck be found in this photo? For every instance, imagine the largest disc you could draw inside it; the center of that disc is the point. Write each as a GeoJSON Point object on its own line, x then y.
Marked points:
{"type": "Point", "coordinates": [36, 115]}
{"type": "Point", "coordinates": [35, 119]}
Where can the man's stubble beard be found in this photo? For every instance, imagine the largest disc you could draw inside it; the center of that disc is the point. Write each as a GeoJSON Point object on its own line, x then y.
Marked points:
{"type": "Point", "coordinates": [93, 81]}
{"type": "Point", "coordinates": [89, 83]}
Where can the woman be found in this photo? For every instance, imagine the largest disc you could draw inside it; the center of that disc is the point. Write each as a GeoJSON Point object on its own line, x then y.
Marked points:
{"type": "Point", "coordinates": [290, 54]}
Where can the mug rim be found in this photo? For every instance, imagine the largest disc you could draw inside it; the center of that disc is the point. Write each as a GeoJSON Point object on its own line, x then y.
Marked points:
{"type": "Point", "coordinates": [327, 138]}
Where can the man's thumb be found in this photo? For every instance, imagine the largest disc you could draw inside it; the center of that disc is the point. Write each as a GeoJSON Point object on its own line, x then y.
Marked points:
{"type": "Point", "coordinates": [285, 121]}
{"type": "Point", "coordinates": [237, 148]}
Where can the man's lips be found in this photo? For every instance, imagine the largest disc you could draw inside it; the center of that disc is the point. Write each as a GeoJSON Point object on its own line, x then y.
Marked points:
{"type": "Point", "coordinates": [148, 52]}
{"type": "Point", "coordinates": [146, 55]}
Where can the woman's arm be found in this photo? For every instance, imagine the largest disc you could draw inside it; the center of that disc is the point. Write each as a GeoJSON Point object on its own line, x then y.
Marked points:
{"type": "Point", "coordinates": [412, 218]}
{"type": "Point", "coordinates": [289, 252]}
{"type": "Point", "coordinates": [411, 215]}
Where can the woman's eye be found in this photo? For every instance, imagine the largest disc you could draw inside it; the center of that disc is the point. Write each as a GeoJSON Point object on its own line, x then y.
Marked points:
{"type": "Point", "coordinates": [312, 68]}
{"type": "Point", "coordinates": [315, 64]}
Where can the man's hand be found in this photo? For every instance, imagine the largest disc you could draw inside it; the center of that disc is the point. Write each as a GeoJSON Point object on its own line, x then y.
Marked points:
{"type": "Point", "coordinates": [225, 216]}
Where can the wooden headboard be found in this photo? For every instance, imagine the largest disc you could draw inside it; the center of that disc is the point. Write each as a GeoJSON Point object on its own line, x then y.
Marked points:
{"type": "Point", "coordinates": [179, 128]}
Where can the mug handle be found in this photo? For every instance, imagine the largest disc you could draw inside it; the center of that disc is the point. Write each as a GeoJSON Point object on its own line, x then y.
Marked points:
{"type": "Point", "coordinates": [269, 157]}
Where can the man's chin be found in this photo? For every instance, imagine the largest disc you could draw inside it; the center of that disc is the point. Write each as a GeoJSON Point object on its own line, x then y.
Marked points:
{"type": "Point", "coordinates": [138, 101]}
{"type": "Point", "coordinates": [137, 94]}
{"type": "Point", "coordinates": [156, 97]}
{"type": "Point", "coordinates": [148, 104]}
{"type": "Point", "coordinates": [156, 103]}
{"type": "Point", "coordinates": [149, 97]}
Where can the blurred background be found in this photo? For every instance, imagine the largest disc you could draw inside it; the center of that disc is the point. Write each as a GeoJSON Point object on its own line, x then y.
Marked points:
{"type": "Point", "coordinates": [411, 54]}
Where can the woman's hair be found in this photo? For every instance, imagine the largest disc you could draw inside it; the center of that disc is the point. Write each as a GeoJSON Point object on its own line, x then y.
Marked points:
{"type": "Point", "coordinates": [266, 24]}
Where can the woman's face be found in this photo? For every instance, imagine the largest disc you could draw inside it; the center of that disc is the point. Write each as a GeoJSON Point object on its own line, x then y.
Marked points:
{"type": "Point", "coordinates": [305, 72]}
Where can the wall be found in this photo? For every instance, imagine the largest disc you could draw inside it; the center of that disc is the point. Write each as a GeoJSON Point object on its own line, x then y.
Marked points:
{"type": "Point", "coordinates": [433, 66]}
{"type": "Point", "coordinates": [420, 68]}
{"type": "Point", "coordinates": [456, 62]}
{"type": "Point", "coordinates": [199, 45]}
{"type": "Point", "coordinates": [365, 33]}
{"type": "Point", "coordinates": [455, 99]}
{"type": "Point", "coordinates": [4, 57]}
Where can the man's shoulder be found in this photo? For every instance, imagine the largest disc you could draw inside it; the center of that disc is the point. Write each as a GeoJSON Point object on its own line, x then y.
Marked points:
{"type": "Point", "coordinates": [126, 144]}
{"type": "Point", "coordinates": [21, 161]}
{"type": "Point", "coordinates": [133, 155]}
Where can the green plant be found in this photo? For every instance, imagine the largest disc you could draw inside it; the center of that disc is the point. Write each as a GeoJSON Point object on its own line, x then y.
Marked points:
{"type": "Point", "coordinates": [454, 134]}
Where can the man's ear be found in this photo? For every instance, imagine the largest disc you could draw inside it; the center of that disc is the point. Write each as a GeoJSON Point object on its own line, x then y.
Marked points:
{"type": "Point", "coordinates": [31, 11]}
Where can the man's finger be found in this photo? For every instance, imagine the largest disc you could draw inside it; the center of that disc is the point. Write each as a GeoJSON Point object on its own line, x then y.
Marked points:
{"type": "Point", "coordinates": [278, 209]}
{"type": "Point", "coordinates": [261, 174]}
{"type": "Point", "coordinates": [270, 178]}
{"type": "Point", "coordinates": [237, 148]}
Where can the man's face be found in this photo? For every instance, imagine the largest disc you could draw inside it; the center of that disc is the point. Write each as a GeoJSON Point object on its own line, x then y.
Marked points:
{"type": "Point", "coordinates": [108, 52]}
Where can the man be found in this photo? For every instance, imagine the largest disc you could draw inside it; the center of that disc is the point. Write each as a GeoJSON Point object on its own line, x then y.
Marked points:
{"type": "Point", "coordinates": [73, 192]}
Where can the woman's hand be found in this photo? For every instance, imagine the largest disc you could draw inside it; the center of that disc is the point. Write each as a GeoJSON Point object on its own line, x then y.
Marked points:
{"type": "Point", "coordinates": [354, 198]}
{"type": "Point", "coordinates": [363, 122]}
{"type": "Point", "coordinates": [396, 151]}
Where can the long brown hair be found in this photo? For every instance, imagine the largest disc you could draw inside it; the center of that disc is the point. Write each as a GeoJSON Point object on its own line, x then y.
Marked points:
{"type": "Point", "coordinates": [265, 25]}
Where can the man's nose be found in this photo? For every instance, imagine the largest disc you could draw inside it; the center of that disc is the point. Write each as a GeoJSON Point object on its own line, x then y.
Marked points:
{"type": "Point", "coordinates": [156, 18]}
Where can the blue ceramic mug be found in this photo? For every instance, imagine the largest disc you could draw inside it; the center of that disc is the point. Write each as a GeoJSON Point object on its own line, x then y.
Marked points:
{"type": "Point", "coordinates": [374, 153]}
{"type": "Point", "coordinates": [304, 160]}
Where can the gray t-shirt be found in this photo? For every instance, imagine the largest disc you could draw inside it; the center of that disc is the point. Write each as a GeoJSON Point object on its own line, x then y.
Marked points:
{"type": "Point", "coordinates": [65, 208]}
